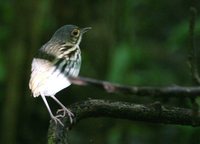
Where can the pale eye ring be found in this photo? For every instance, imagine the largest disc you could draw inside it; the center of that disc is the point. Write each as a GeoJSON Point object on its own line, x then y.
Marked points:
{"type": "Point", "coordinates": [75, 32]}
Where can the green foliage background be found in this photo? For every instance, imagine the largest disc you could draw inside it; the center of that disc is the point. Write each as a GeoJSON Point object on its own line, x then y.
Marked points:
{"type": "Point", "coordinates": [135, 42]}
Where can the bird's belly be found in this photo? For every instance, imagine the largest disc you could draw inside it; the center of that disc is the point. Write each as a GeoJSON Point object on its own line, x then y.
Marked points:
{"type": "Point", "coordinates": [47, 80]}
{"type": "Point", "coordinates": [54, 83]}
{"type": "Point", "coordinates": [48, 83]}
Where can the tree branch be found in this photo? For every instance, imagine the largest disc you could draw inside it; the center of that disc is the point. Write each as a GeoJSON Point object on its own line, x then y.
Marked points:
{"type": "Point", "coordinates": [192, 55]}
{"type": "Point", "coordinates": [170, 91]}
{"type": "Point", "coordinates": [155, 113]}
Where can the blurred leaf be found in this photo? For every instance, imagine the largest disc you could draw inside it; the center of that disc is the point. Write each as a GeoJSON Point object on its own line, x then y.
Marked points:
{"type": "Point", "coordinates": [4, 33]}
{"type": "Point", "coordinates": [120, 60]}
{"type": "Point", "coordinates": [114, 135]}
{"type": "Point", "coordinates": [2, 68]}
{"type": "Point", "coordinates": [178, 37]}
{"type": "Point", "coordinates": [6, 9]}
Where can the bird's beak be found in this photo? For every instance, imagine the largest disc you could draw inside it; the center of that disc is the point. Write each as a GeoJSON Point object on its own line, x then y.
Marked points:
{"type": "Point", "coordinates": [83, 30]}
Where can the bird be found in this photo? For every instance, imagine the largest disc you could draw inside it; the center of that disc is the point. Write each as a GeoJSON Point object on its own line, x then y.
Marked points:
{"type": "Point", "coordinates": [54, 63]}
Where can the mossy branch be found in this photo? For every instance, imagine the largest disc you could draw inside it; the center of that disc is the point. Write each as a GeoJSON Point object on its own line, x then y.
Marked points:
{"type": "Point", "coordinates": [154, 113]}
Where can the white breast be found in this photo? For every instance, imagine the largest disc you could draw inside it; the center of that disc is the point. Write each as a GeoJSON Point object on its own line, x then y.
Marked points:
{"type": "Point", "coordinates": [45, 79]}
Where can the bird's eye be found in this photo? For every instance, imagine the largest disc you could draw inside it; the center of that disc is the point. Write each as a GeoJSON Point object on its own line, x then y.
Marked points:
{"type": "Point", "coordinates": [75, 33]}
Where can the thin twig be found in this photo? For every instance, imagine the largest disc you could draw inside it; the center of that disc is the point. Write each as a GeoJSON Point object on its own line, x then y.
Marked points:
{"type": "Point", "coordinates": [169, 91]}
{"type": "Point", "coordinates": [193, 52]}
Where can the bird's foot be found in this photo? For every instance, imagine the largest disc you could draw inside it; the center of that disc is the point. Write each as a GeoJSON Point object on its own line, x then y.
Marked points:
{"type": "Point", "coordinates": [64, 111]}
{"type": "Point", "coordinates": [57, 120]}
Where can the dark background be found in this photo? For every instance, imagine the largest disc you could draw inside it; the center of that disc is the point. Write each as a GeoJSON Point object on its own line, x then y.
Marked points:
{"type": "Point", "coordinates": [135, 42]}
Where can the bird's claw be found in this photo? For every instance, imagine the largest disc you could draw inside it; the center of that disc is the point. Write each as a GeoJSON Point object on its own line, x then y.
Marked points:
{"type": "Point", "coordinates": [64, 111]}
{"type": "Point", "coordinates": [57, 120]}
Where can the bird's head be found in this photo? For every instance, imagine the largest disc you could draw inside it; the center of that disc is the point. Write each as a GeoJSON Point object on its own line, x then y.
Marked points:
{"type": "Point", "coordinates": [69, 34]}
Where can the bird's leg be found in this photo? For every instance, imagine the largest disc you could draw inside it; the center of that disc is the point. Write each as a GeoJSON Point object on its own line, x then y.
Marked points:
{"type": "Point", "coordinates": [56, 120]}
{"type": "Point", "coordinates": [64, 109]}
